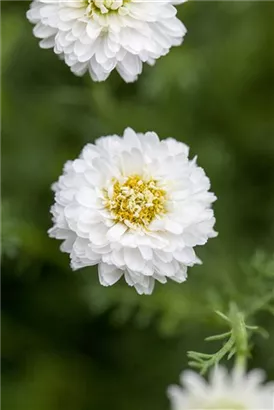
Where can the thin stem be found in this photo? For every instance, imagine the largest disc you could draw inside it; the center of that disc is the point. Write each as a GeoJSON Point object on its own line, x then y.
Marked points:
{"type": "Point", "coordinates": [240, 336]}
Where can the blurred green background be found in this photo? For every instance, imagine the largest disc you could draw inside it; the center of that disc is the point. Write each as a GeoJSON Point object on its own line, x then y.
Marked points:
{"type": "Point", "coordinates": [69, 343]}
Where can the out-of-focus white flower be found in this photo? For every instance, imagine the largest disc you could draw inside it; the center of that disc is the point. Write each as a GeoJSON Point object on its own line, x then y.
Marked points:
{"type": "Point", "coordinates": [235, 391]}
{"type": "Point", "coordinates": [101, 35]}
{"type": "Point", "coordinates": [136, 206]}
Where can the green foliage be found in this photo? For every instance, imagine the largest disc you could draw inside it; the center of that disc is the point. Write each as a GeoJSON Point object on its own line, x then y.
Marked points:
{"type": "Point", "coordinates": [67, 341]}
{"type": "Point", "coordinates": [260, 294]}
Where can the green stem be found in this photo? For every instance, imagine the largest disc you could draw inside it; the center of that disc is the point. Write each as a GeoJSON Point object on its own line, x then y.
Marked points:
{"type": "Point", "coordinates": [240, 336]}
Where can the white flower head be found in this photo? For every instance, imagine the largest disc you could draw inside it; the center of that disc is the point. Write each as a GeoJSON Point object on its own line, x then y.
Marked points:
{"type": "Point", "coordinates": [101, 35]}
{"type": "Point", "coordinates": [136, 206]}
{"type": "Point", "coordinates": [235, 391]}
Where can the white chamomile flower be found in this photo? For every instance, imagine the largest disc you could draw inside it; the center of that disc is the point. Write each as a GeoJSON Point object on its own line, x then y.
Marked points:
{"type": "Point", "coordinates": [136, 206]}
{"type": "Point", "coordinates": [101, 35]}
{"type": "Point", "coordinates": [235, 391]}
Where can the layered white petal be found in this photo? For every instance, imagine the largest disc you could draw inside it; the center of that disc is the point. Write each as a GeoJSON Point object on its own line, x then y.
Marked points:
{"type": "Point", "coordinates": [98, 228]}
{"type": "Point", "coordinates": [100, 35]}
{"type": "Point", "coordinates": [235, 390]}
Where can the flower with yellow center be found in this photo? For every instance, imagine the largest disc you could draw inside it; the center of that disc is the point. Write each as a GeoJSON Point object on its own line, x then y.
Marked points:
{"type": "Point", "coordinates": [136, 202]}
{"type": "Point", "coordinates": [136, 206]}
{"type": "Point", "coordinates": [98, 36]}
{"type": "Point", "coordinates": [224, 391]}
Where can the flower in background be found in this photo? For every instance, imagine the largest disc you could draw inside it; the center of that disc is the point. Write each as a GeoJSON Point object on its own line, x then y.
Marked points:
{"type": "Point", "coordinates": [101, 35]}
{"type": "Point", "coordinates": [136, 206]}
{"type": "Point", "coordinates": [224, 391]}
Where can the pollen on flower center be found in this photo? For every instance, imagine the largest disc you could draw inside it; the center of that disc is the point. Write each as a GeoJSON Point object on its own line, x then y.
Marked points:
{"type": "Point", "coordinates": [136, 202]}
{"type": "Point", "coordinates": [104, 6]}
{"type": "Point", "coordinates": [226, 405]}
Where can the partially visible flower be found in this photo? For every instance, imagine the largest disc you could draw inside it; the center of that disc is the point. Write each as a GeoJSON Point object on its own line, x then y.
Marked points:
{"type": "Point", "coordinates": [101, 35]}
{"type": "Point", "coordinates": [235, 391]}
{"type": "Point", "coordinates": [136, 206]}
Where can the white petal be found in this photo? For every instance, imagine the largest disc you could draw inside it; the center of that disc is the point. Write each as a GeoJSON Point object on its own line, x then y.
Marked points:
{"type": "Point", "coordinates": [108, 274]}
{"type": "Point", "coordinates": [146, 252]}
{"type": "Point", "coordinates": [134, 259]}
{"type": "Point", "coordinates": [86, 197]}
{"type": "Point", "coordinates": [116, 231]}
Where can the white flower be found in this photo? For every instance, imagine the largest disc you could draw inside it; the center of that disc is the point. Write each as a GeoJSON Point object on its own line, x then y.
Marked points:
{"type": "Point", "coordinates": [224, 391]}
{"type": "Point", "coordinates": [101, 35]}
{"type": "Point", "coordinates": [136, 206]}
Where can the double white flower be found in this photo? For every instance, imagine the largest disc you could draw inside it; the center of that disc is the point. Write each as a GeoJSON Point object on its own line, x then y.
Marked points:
{"type": "Point", "coordinates": [101, 35]}
{"type": "Point", "coordinates": [235, 391]}
{"type": "Point", "coordinates": [136, 206]}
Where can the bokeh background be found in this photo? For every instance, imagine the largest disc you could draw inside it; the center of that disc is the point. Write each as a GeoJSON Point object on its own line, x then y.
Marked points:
{"type": "Point", "coordinates": [67, 342]}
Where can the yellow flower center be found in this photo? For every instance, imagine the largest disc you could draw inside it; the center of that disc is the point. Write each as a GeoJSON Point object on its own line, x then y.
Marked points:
{"type": "Point", "coordinates": [136, 202]}
{"type": "Point", "coordinates": [226, 405]}
{"type": "Point", "coordinates": [104, 6]}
